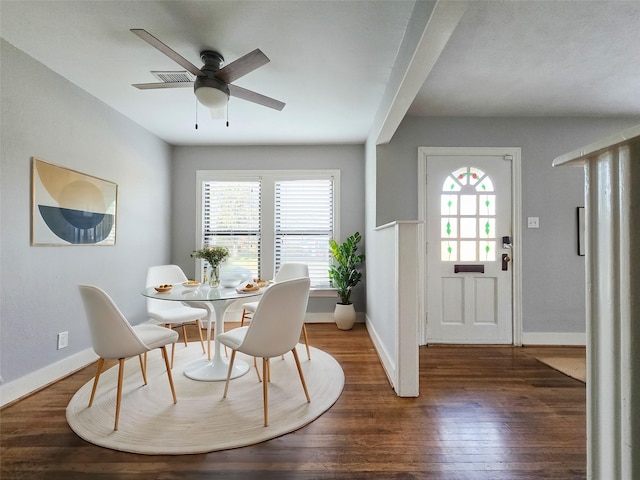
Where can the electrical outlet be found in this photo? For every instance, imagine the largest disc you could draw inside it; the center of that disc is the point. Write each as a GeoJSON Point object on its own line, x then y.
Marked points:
{"type": "Point", "coordinates": [63, 340]}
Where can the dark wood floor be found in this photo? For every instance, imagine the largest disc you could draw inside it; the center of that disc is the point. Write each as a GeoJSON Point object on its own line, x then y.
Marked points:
{"type": "Point", "coordinates": [483, 413]}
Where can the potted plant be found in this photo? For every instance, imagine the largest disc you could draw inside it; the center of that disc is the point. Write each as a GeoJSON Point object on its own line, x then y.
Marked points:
{"type": "Point", "coordinates": [344, 275]}
{"type": "Point", "coordinates": [214, 256]}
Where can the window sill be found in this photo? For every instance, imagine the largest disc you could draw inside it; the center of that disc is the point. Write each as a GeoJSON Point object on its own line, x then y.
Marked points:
{"type": "Point", "coordinates": [322, 291]}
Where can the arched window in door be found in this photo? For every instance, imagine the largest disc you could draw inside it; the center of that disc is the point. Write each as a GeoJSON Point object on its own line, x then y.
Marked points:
{"type": "Point", "coordinates": [468, 216]}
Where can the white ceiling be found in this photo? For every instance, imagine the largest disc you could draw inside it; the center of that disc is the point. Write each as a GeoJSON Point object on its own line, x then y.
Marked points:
{"type": "Point", "coordinates": [331, 60]}
{"type": "Point", "coordinates": [539, 58]}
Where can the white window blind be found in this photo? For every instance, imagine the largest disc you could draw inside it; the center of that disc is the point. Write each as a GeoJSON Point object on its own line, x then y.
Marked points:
{"type": "Point", "coordinates": [304, 225]}
{"type": "Point", "coordinates": [269, 217]}
{"type": "Point", "coordinates": [232, 218]}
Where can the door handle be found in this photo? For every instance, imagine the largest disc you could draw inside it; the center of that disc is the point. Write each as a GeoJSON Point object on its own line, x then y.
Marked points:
{"type": "Point", "coordinates": [505, 261]}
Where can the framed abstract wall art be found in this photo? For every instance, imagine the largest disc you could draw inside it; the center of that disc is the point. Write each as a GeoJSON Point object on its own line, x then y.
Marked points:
{"type": "Point", "coordinates": [71, 208]}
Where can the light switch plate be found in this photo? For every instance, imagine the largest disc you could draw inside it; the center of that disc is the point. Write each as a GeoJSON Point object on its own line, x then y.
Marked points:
{"type": "Point", "coordinates": [63, 340]}
{"type": "Point", "coordinates": [533, 222]}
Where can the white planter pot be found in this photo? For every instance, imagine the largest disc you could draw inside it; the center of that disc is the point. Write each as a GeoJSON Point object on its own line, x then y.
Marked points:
{"type": "Point", "coordinates": [344, 316]}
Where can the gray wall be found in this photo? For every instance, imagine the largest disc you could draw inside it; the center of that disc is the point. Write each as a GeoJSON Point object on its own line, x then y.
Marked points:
{"type": "Point", "coordinates": [45, 116]}
{"type": "Point", "coordinates": [349, 159]}
{"type": "Point", "coordinates": [553, 273]}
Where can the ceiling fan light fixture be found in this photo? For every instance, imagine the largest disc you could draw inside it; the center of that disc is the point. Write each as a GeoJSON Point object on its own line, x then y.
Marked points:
{"type": "Point", "coordinates": [211, 91]}
{"type": "Point", "coordinates": [217, 113]}
{"type": "Point", "coordinates": [212, 97]}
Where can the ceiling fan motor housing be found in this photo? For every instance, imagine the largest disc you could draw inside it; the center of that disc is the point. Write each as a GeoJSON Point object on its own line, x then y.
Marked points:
{"type": "Point", "coordinates": [211, 82]}
{"type": "Point", "coordinates": [211, 58]}
{"type": "Point", "coordinates": [212, 63]}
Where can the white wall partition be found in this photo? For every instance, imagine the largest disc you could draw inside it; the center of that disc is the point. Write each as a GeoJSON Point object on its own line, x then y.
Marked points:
{"type": "Point", "coordinates": [396, 282]}
{"type": "Point", "coordinates": [612, 199]}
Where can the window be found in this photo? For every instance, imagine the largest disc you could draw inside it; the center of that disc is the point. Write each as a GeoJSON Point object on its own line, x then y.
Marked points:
{"type": "Point", "coordinates": [268, 218]}
{"type": "Point", "coordinates": [304, 225]}
{"type": "Point", "coordinates": [231, 218]}
{"type": "Point", "coordinates": [468, 216]}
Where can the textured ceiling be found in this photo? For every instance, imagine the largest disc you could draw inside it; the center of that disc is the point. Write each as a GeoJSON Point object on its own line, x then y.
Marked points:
{"type": "Point", "coordinates": [538, 58]}
{"type": "Point", "coordinates": [331, 61]}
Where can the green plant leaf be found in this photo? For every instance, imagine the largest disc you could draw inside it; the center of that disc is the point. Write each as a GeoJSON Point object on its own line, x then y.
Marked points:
{"type": "Point", "coordinates": [343, 272]}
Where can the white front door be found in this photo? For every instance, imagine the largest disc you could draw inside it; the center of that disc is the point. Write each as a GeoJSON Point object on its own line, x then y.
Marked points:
{"type": "Point", "coordinates": [469, 274]}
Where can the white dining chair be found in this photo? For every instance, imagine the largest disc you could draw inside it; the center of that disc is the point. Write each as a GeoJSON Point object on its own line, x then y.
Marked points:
{"type": "Point", "coordinates": [173, 314]}
{"type": "Point", "coordinates": [114, 338]}
{"type": "Point", "coordinates": [287, 271]}
{"type": "Point", "coordinates": [273, 331]}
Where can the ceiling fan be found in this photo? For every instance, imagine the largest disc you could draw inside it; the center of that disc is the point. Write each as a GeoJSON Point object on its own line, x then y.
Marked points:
{"type": "Point", "coordinates": [212, 84]}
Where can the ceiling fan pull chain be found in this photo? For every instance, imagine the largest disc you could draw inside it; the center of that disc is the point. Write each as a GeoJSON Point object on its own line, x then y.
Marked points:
{"type": "Point", "coordinates": [227, 114]}
{"type": "Point", "coordinates": [196, 113]}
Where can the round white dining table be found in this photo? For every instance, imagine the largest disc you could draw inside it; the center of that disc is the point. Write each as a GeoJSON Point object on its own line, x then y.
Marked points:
{"type": "Point", "coordinates": [215, 301]}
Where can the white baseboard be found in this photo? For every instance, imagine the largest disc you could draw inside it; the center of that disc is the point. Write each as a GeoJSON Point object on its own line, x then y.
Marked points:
{"type": "Point", "coordinates": [39, 379]}
{"type": "Point", "coordinates": [310, 317]}
{"type": "Point", "coordinates": [388, 363]}
{"type": "Point", "coordinates": [319, 317]}
{"type": "Point", "coordinates": [548, 338]}
{"type": "Point", "coordinates": [327, 317]}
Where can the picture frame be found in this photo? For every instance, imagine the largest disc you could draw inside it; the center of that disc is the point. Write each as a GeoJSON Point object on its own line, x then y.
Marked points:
{"type": "Point", "coordinates": [70, 207]}
{"type": "Point", "coordinates": [581, 231]}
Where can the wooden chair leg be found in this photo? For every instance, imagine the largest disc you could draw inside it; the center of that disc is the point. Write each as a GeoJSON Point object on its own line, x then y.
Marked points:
{"type": "Point", "coordinates": [226, 385]}
{"type": "Point", "coordinates": [255, 365]}
{"type": "Point", "coordinates": [209, 345]}
{"type": "Point", "coordinates": [119, 393]}
{"type": "Point", "coordinates": [306, 340]}
{"type": "Point", "coordinates": [184, 337]}
{"type": "Point", "coordinates": [268, 377]}
{"type": "Point", "coordinates": [199, 325]}
{"type": "Point", "coordinates": [304, 385]}
{"type": "Point", "coordinates": [173, 345]}
{"type": "Point", "coordinates": [143, 368]}
{"type": "Point", "coordinates": [166, 362]}
{"type": "Point", "coordinates": [211, 332]}
{"type": "Point", "coordinates": [265, 390]}
{"type": "Point", "coordinates": [226, 352]}
{"type": "Point", "coordinates": [95, 381]}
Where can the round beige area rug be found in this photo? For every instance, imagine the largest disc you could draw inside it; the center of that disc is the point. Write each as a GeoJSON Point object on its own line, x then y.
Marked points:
{"type": "Point", "coordinates": [202, 421]}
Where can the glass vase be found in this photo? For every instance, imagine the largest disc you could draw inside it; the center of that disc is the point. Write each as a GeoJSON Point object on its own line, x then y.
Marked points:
{"type": "Point", "coordinates": [214, 276]}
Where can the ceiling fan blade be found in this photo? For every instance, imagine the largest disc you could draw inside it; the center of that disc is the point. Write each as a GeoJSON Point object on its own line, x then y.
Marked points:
{"type": "Point", "coordinates": [172, 54]}
{"type": "Point", "coordinates": [149, 86]}
{"type": "Point", "coordinates": [242, 66]}
{"type": "Point", "coordinates": [254, 97]}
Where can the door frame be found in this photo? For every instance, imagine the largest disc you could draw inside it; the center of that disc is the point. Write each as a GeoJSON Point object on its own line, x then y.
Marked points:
{"type": "Point", "coordinates": [509, 153]}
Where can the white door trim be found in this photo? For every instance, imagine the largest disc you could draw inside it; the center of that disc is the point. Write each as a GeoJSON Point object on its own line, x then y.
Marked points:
{"type": "Point", "coordinates": [516, 221]}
